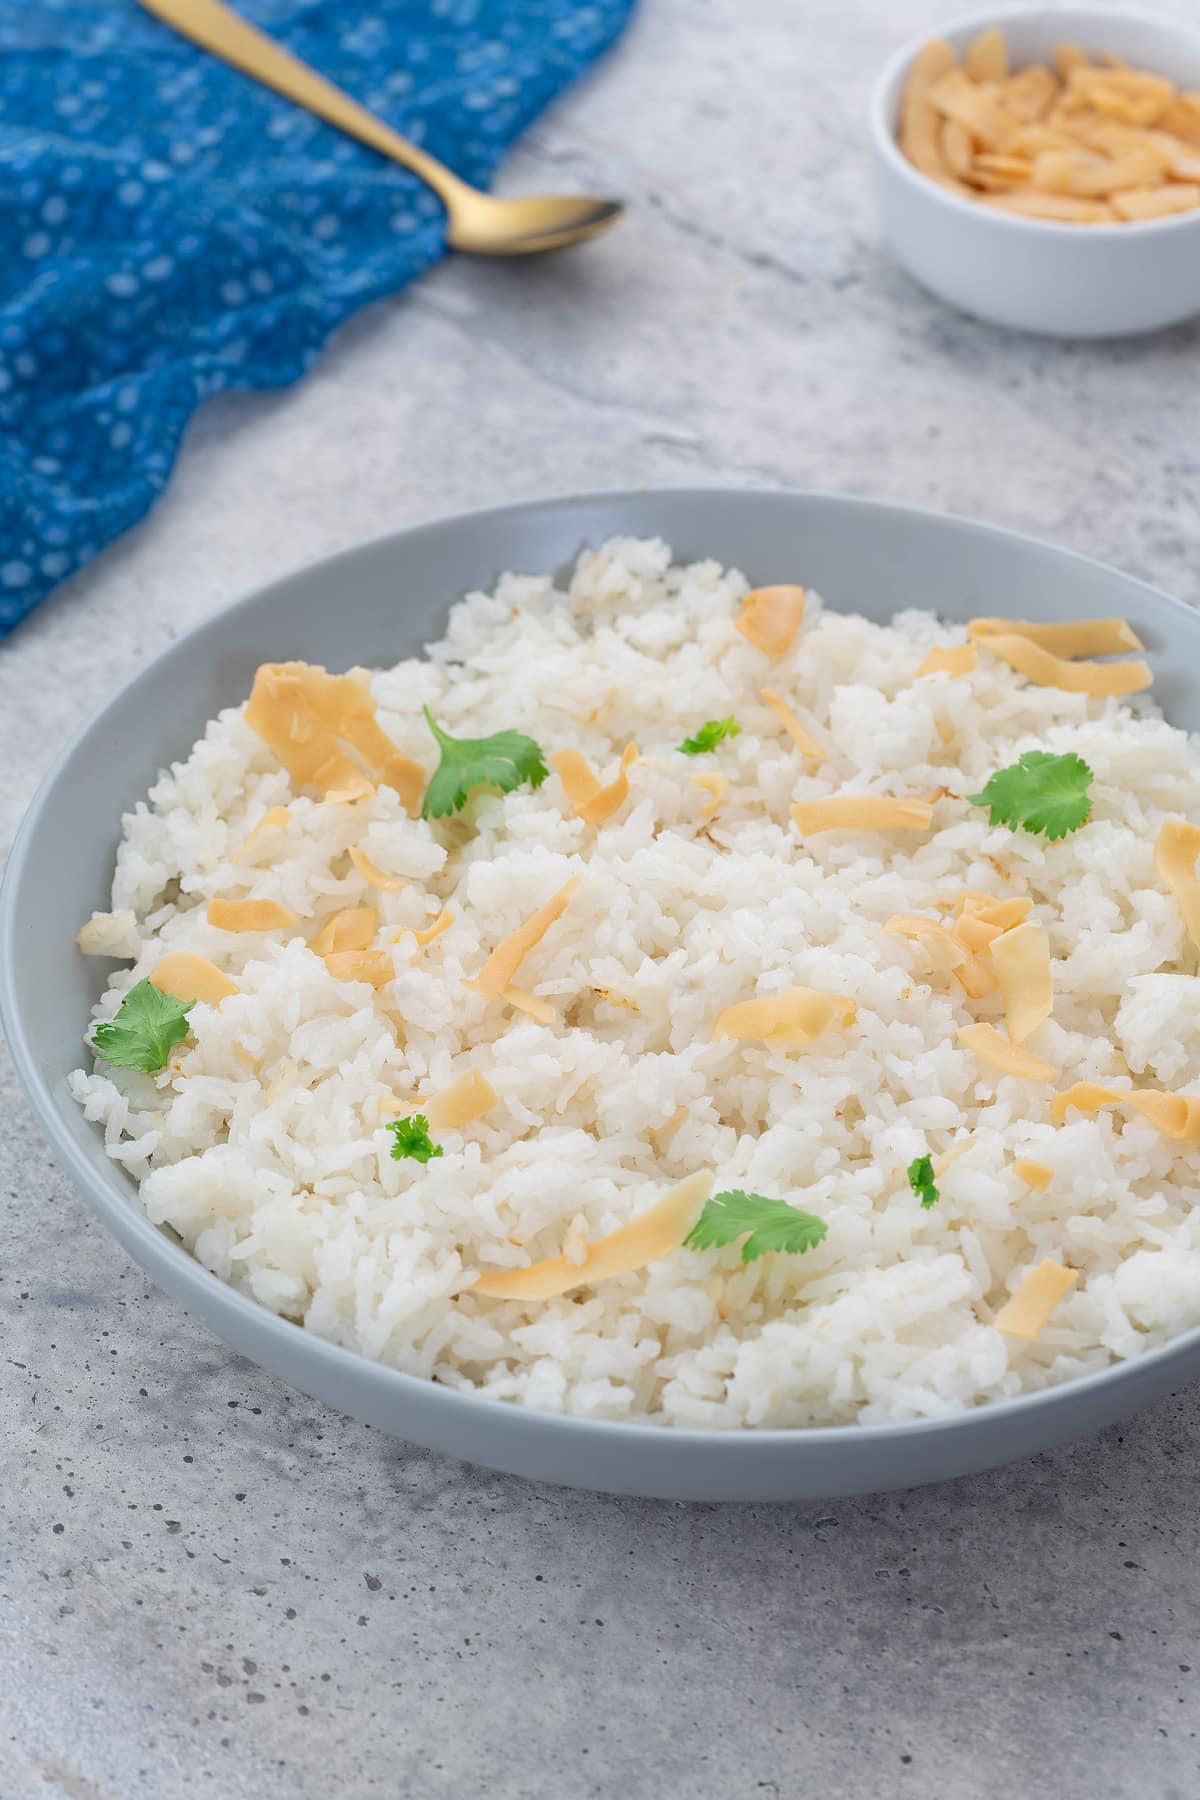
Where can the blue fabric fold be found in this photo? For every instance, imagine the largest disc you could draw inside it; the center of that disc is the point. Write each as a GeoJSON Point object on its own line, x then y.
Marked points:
{"type": "Point", "coordinates": [170, 230]}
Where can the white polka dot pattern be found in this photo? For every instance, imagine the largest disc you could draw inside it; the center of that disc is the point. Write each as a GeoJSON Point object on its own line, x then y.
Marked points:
{"type": "Point", "coordinates": [168, 229]}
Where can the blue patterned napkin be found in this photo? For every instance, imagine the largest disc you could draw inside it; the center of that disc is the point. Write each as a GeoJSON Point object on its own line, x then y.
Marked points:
{"type": "Point", "coordinates": [168, 229]}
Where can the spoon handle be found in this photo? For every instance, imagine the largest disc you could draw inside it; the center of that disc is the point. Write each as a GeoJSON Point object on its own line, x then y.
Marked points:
{"type": "Point", "coordinates": [216, 27]}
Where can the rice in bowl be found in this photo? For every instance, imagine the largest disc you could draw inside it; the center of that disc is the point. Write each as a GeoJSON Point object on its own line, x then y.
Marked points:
{"type": "Point", "coordinates": [266, 1143]}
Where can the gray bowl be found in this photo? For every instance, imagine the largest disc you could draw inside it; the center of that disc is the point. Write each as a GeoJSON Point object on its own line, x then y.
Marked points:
{"type": "Point", "coordinates": [389, 597]}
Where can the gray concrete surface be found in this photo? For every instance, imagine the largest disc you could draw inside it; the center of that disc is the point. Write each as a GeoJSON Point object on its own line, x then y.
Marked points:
{"type": "Point", "coordinates": [212, 1588]}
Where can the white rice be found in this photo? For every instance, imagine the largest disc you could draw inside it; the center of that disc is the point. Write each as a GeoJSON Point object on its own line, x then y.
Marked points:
{"type": "Point", "coordinates": [267, 1149]}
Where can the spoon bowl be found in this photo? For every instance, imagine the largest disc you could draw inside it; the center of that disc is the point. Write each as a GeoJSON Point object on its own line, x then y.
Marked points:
{"type": "Point", "coordinates": [486, 226]}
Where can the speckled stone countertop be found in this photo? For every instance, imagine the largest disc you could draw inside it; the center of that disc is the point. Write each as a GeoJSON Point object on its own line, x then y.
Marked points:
{"type": "Point", "coordinates": [211, 1587]}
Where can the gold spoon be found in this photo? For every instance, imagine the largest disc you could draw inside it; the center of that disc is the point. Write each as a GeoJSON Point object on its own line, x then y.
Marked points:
{"type": "Point", "coordinates": [477, 222]}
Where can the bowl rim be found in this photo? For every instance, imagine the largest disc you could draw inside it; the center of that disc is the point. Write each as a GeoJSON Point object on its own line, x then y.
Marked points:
{"type": "Point", "coordinates": [889, 81]}
{"type": "Point", "coordinates": [157, 1252]}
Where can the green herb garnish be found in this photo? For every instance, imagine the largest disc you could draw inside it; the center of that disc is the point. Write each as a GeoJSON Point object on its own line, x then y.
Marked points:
{"type": "Point", "coordinates": [146, 1029]}
{"type": "Point", "coordinates": [413, 1139]}
{"type": "Point", "coordinates": [503, 761]}
{"type": "Point", "coordinates": [1040, 792]}
{"type": "Point", "coordinates": [772, 1225]}
{"type": "Point", "coordinates": [710, 734]}
{"type": "Point", "coordinates": [920, 1180]}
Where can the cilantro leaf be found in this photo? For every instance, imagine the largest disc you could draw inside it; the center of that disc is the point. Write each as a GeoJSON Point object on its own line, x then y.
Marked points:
{"type": "Point", "coordinates": [1040, 792]}
{"type": "Point", "coordinates": [147, 1027]}
{"type": "Point", "coordinates": [710, 734]}
{"type": "Point", "coordinates": [920, 1180]}
{"type": "Point", "coordinates": [503, 761]}
{"type": "Point", "coordinates": [413, 1139]}
{"type": "Point", "coordinates": [772, 1225]}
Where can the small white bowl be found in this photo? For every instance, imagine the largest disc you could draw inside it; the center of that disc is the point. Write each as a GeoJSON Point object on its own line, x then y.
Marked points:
{"type": "Point", "coordinates": [1083, 281]}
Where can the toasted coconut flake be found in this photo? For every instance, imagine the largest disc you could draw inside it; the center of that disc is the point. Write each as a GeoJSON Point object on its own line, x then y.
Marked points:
{"type": "Point", "coordinates": [1034, 1174]}
{"type": "Point", "coordinates": [975, 934]}
{"type": "Point", "coordinates": [988, 909]}
{"type": "Point", "coordinates": [274, 819]}
{"type": "Point", "coordinates": [862, 812]}
{"type": "Point", "coordinates": [1031, 140]}
{"type": "Point", "coordinates": [1005, 169]}
{"type": "Point", "coordinates": [502, 965]}
{"type": "Point", "coordinates": [992, 1048]}
{"type": "Point", "coordinates": [305, 714]}
{"type": "Point", "coordinates": [1092, 177]}
{"type": "Point", "coordinates": [1175, 855]}
{"type": "Point", "coordinates": [249, 915]}
{"type": "Point", "coordinates": [1181, 160]}
{"type": "Point", "coordinates": [390, 766]}
{"type": "Point", "coordinates": [533, 1004]}
{"type": "Point", "coordinates": [375, 967]}
{"type": "Point", "coordinates": [575, 773]}
{"type": "Point", "coordinates": [802, 739]}
{"type": "Point", "coordinates": [1114, 140]}
{"type": "Point", "coordinates": [351, 929]}
{"type": "Point", "coordinates": [1182, 118]}
{"type": "Point", "coordinates": [1100, 681]}
{"type": "Point", "coordinates": [1069, 56]}
{"type": "Point", "coordinates": [941, 948]}
{"type": "Point", "coordinates": [771, 617]}
{"type": "Point", "coordinates": [1087, 80]}
{"type": "Point", "coordinates": [1028, 95]}
{"type": "Point", "coordinates": [285, 710]}
{"type": "Point", "coordinates": [443, 922]}
{"type": "Point", "coordinates": [1088, 148]}
{"type": "Point", "coordinates": [1005, 913]}
{"type": "Point", "coordinates": [1063, 208]}
{"type": "Point", "coordinates": [950, 1156]}
{"type": "Point", "coordinates": [112, 934]}
{"type": "Point", "coordinates": [919, 122]}
{"type": "Point", "coordinates": [1065, 637]}
{"type": "Point", "coordinates": [467, 1098]}
{"type": "Point", "coordinates": [350, 794]}
{"type": "Point", "coordinates": [373, 875]}
{"type": "Point", "coordinates": [796, 1016]}
{"type": "Point", "coordinates": [1085, 1096]}
{"type": "Point", "coordinates": [986, 56]}
{"type": "Point", "coordinates": [428, 933]}
{"type": "Point", "coordinates": [956, 96]}
{"type": "Point", "coordinates": [1026, 1312]}
{"type": "Point", "coordinates": [342, 781]}
{"type": "Point", "coordinates": [956, 148]}
{"type": "Point", "coordinates": [1157, 202]}
{"type": "Point", "coordinates": [648, 1238]}
{"type": "Point", "coordinates": [945, 952]}
{"type": "Point", "coordinates": [715, 784]}
{"type": "Point", "coordinates": [949, 659]}
{"type": "Point", "coordinates": [605, 801]}
{"type": "Point", "coordinates": [1130, 109]}
{"type": "Point", "coordinates": [1021, 959]}
{"type": "Point", "coordinates": [589, 800]}
{"type": "Point", "coordinates": [1175, 1115]}
{"type": "Point", "coordinates": [188, 977]}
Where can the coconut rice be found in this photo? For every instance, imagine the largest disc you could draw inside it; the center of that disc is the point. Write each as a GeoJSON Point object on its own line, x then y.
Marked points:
{"type": "Point", "coordinates": [265, 1143]}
